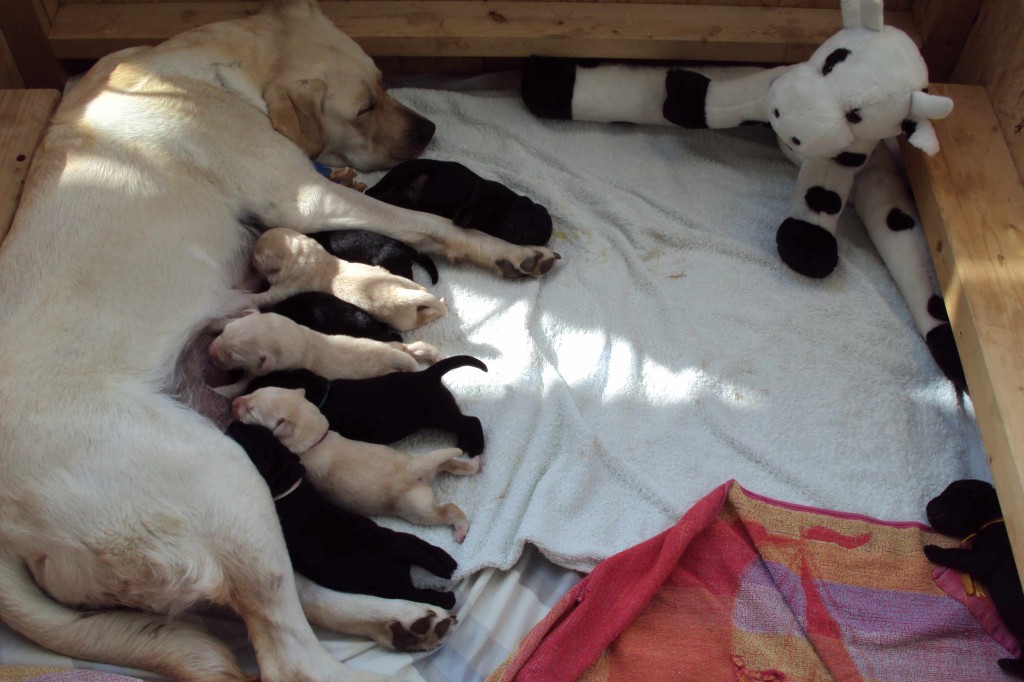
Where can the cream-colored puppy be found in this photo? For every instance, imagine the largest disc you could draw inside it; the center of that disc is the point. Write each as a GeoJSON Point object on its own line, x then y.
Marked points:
{"type": "Point", "coordinates": [366, 478]}
{"type": "Point", "coordinates": [260, 343]}
{"type": "Point", "coordinates": [294, 263]}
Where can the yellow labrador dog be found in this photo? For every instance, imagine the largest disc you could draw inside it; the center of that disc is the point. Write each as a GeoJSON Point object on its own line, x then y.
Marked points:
{"type": "Point", "coordinates": [120, 506]}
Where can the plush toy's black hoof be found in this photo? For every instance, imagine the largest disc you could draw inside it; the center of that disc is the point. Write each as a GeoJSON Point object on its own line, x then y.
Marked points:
{"type": "Point", "coordinates": [547, 86]}
{"type": "Point", "coordinates": [943, 349]}
{"type": "Point", "coordinates": [1014, 666]}
{"type": "Point", "coordinates": [809, 249]}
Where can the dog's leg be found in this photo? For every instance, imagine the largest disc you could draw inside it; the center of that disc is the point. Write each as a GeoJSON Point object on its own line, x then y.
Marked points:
{"type": "Point", "coordinates": [120, 637]}
{"type": "Point", "coordinates": [295, 195]}
{"type": "Point", "coordinates": [421, 350]}
{"type": "Point", "coordinates": [392, 623]}
{"type": "Point", "coordinates": [417, 505]}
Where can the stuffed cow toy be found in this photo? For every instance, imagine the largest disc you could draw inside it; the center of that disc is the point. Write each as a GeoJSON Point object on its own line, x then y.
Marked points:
{"type": "Point", "coordinates": [866, 83]}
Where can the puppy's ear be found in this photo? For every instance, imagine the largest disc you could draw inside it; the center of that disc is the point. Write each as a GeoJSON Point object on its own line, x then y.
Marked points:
{"type": "Point", "coordinates": [284, 429]}
{"type": "Point", "coordinates": [249, 311]}
{"type": "Point", "coordinates": [296, 111]}
{"type": "Point", "coordinates": [266, 263]}
{"type": "Point", "coordinates": [302, 392]}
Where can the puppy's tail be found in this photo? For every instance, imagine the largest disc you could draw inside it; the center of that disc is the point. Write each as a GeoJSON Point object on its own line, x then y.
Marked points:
{"type": "Point", "coordinates": [442, 367]}
{"type": "Point", "coordinates": [428, 264]}
{"type": "Point", "coordinates": [124, 638]}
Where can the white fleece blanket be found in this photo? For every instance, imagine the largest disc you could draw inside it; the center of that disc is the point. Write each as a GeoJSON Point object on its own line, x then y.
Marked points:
{"type": "Point", "coordinates": [671, 350]}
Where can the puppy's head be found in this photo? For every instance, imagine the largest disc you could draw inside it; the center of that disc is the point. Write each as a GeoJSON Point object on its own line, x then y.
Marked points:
{"type": "Point", "coordinates": [254, 343]}
{"type": "Point", "coordinates": [328, 97]}
{"type": "Point", "coordinates": [280, 252]}
{"type": "Point", "coordinates": [294, 420]}
{"type": "Point", "coordinates": [963, 507]}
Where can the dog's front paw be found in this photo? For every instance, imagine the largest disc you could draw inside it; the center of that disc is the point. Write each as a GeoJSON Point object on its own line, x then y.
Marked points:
{"type": "Point", "coordinates": [423, 628]}
{"type": "Point", "coordinates": [933, 552]}
{"type": "Point", "coordinates": [527, 262]}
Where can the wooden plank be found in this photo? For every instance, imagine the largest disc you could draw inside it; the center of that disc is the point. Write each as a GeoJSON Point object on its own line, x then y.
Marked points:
{"type": "Point", "coordinates": [890, 5]}
{"type": "Point", "coordinates": [971, 202]}
{"type": "Point", "coordinates": [10, 77]}
{"type": "Point", "coordinates": [27, 39]}
{"type": "Point", "coordinates": [474, 28]}
{"type": "Point", "coordinates": [994, 57]}
{"type": "Point", "coordinates": [24, 115]}
{"type": "Point", "coordinates": [944, 26]}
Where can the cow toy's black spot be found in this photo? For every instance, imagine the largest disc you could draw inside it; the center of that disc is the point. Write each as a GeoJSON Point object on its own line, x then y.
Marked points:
{"type": "Point", "coordinates": [897, 220]}
{"type": "Point", "coordinates": [547, 87]}
{"type": "Point", "coordinates": [821, 200]}
{"type": "Point", "coordinates": [834, 58]}
{"type": "Point", "coordinates": [937, 308]}
{"type": "Point", "coordinates": [851, 159]}
{"type": "Point", "coordinates": [685, 95]}
{"type": "Point", "coordinates": [909, 127]}
{"type": "Point", "coordinates": [853, 116]}
{"type": "Point", "coordinates": [809, 249]}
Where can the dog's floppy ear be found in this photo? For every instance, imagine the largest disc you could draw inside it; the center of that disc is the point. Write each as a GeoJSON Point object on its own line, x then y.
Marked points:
{"type": "Point", "coordinates": [284, 429]}
{"type": "Point", "coordinates": [296, 111]}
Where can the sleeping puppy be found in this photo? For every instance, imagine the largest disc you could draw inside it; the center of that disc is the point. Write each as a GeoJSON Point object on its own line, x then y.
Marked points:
{"type": "Point", "coordinates": [365, 478]}
{"type": "Point", "coordinates": [451, 190]}
{"type": "Point", "coordinates": [328, 314]}
{"type": "Point", "coordinates": [969, 509]}
{"type": "Point", "coordinates": [294, 263]}
{"type": "Point", "coordinates": [263, 342]}
{"type": "Point", "coordinates": [390, 407]}
{"type": "Point", "coordinates": [361, 246]}
{"type": "Point", "coordinates": [333, 547]}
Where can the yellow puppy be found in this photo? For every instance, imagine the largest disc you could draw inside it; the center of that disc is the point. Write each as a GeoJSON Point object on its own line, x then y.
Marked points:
{"type": "Point", "coordinates": [366, 478]}
{"type": "Point", "coordinates": [293, 263]}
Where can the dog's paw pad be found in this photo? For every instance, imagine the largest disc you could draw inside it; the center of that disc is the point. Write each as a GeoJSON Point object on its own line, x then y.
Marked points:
{"type": "Point", "coordinates": [427, 630]}
{"type": "Point", "coordinates": [508, 271]}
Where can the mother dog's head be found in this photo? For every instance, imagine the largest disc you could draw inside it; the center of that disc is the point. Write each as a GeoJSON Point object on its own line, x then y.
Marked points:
{"type": "Point", "coordinates": [327, 95]}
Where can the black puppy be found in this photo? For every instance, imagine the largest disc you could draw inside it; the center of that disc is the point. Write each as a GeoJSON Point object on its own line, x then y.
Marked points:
{"type": "Point", "coordinates": [361, 246]}
{"type": "Point", "coordinates": [970, 509]}
{"type": "Point", "coordinates": [451, 190]}
{"type": "Point", "coordinates": [333, 547]}
{"type": "Point", "coordinates": [328, 314]}
{"type": "Point", "coordinates": [390, 407]}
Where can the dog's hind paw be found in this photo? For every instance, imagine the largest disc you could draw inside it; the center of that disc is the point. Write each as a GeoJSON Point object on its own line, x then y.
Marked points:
{"type": "Point", "coordinates": [532, 262]}
{"type": "Point", "coordinates": [427, 630]}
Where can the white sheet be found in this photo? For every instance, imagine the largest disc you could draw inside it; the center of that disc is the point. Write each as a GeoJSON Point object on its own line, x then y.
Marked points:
{"type": "Point", "coordinates": [671, 349]}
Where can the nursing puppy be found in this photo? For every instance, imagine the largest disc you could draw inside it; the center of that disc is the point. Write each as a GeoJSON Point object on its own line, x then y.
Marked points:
{"type": "Point", "coordinates": [360, 246]}
{"type": "Point", "coordinates": [388, 408]}
{"type": "Point", "coordinates": [263, 342]}
{"type": "Point", "coordinates": [449, 189]}
{"type": "Point", "coordinates": [333, 547]}
{"type": "Point", "coordinates": [366, 478]}
{"type": "Point", "coordinates": [970, 509]}
{"type": "Point", "coordinates": [294, 263]}
{"type": "Point", "coordinates": [131, 235]}
{"type": "Point", "coordinates": [328, 314]}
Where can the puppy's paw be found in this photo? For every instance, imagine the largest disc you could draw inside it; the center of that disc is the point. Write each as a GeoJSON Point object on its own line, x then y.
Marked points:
{"type": "Point", "coordinates": [421, 628]}
{"type": "Point", "coordinates": [934, 553]}
{"type": "Point", "coordinates": [423, 351]}
{"type": "Point", "coordinates": [527, 262]}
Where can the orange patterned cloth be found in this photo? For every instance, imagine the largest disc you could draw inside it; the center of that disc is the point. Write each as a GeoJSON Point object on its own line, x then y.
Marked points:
{"type": "Point", "coordinates": [748, 589]}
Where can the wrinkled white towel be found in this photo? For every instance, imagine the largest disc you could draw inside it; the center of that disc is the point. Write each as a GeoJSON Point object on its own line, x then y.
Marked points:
{"type": "Point", "coordinates": [671, 350]}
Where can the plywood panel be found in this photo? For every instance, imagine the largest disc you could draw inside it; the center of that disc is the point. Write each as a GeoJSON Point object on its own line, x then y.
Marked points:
{"type": "Point", "coordinates": [994, 58]}
{"type": "Point", "coordinates": [9, 75]}
{"type": "Point", "coordinates": [24, 115]}
{"type": "Point", "coordinates": [491, 29]}
{"type": "Point", "coordinates": [971, 203]}
{"type": "Point", "coordinates": [892, 5]}
{"type": "Point", "coordinates": [944, 26]}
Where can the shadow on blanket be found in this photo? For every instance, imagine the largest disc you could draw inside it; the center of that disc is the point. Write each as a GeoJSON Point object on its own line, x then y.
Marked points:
{"type": "Point", "coordinates": [746, 588]}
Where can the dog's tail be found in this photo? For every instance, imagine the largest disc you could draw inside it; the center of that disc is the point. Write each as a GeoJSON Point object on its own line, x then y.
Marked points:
{"type": "Point", "coordinates": [428, 264]}
{"type": "Point", "coordinates": [120, 637]}
{"type": "Point", "coordinates": [442, 367]}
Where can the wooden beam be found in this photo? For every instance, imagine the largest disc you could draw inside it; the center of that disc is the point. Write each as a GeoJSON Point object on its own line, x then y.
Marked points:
{"type": "Point", "coordinates": [27, 39]}
{"type": "Point", "coordinates": [10, 77]}
{"type": "Point", "coordinates": [944, 26]}
{"type": "Point", "coordinates": [24, 115]}
{"type": "Point", "coordinates": [971, 202]}
{"type": "Point", "coordinates": [474, 28]}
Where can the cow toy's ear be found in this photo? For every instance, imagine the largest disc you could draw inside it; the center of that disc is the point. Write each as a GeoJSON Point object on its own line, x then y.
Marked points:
{"type": "Point", "coordinates": [918, 128]}
{"type": "Point", "coordinates": [862, 14]}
